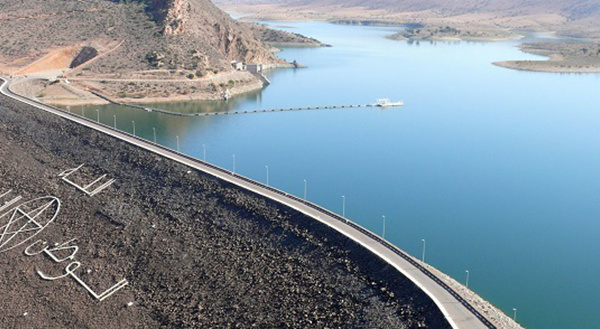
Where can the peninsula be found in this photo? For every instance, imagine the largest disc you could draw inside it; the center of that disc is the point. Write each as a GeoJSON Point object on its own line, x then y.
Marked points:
{"type": "Point", "coordinates": [574, 57]}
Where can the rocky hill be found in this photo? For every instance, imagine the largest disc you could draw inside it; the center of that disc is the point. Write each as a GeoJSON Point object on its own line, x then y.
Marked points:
{"type": "Point", "coordinates": [576, 9]}
{"type": "Point", "coordinates": [573, 9]}
{"type": "Point", "coordinates": [145, 34]}
{"type": "Point", "coordinates": [140, 50]}
{"type": "Point", "coordinates": [570, 17]}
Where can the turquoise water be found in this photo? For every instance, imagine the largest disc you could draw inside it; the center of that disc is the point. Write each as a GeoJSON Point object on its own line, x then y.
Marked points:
{"type": "Point", "coordinates": [497, 169]}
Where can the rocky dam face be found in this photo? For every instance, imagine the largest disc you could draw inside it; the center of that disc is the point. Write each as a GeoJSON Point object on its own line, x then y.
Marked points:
{"type": "Point", "coordinates": [96, 233]}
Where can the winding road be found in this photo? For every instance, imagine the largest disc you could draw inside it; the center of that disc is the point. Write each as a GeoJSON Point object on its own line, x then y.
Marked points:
{"type": "Point", "coordinates": [459, 312]}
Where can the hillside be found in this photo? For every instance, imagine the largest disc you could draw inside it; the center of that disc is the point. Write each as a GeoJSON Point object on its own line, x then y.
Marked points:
{"type": "Point", "coordinates": [576, 18]}
{"type": "Point", "coordinates": [134, 43]}
{"type": "Point", "coordinates": [572, 9]}
{"type": "Point", "coordinates": [562, 58]}
{"type": "Point", "coordinates": [184, 34]}
{"type": "Point", "coordinates": [577, 9]}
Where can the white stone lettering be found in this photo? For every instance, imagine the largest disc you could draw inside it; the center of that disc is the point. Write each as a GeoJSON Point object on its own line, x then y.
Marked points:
{"type": "Point", "coordinates": [87, 189]}
{"type": "Point", "coordinates": [23, 222]}
{"type": "Point", "coordinates": [7, 204]}
{"type": "Point", "coordinates": [71, 268]}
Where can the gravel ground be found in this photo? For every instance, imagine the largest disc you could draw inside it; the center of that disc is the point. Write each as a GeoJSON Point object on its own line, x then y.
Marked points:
{"type": "Point", "coordinates": [491, 312]}
{"type": "Point", "coordinates": [197, 252]}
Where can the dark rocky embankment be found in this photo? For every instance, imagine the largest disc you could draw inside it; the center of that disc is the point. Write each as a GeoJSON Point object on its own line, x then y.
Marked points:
{"type": "Point", "coordinates": [197, 252]}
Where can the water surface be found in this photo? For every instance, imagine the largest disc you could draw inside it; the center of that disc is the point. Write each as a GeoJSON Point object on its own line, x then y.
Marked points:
{"type": "Point", "coordinates": [496, 169]}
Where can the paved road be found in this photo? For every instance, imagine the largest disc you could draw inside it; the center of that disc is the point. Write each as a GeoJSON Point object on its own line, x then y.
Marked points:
{"type": "Point", "coordinates": [459, 313]}
{"type": "Point", "coordinates": [196, 80]}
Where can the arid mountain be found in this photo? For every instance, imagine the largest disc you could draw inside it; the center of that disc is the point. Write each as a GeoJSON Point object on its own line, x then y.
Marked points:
{"type": "Point", "coordinates": [455, 6]}
{"type": "Point", "coordinates": [133, 50]}
{"type": "Point", "coordinates": [128, 35]}
{"type": "Point", "coordinates": [570, 17]}
{"type": "Point", "coordinates": [572, 9]}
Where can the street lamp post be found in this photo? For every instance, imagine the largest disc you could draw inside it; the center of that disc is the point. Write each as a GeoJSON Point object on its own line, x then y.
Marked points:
{"type": "Point", "coordinates": [514, 314]}
{"type": "Point", "coordinates": [423, 256]}
{"type": "Point", "coordinates": [115, 121]}
{"type": "Point", "coordinates": [133, 123]}
{"type": "Point", "coordinates": [383, 234]}
{"type": "Point", "coordinates": [344, 206]}
{"type": "Point", "coordinates": [177, 142]}
{"type": "Point", "coordinates": [467, 282]}
{"type": "Point", "coordinates": [267, 167]}
{"type": "Point", "coordinates": [154, 134]}
{"type": "Point", "coordinates": [233, 156]}
{"type": "Point", "coordinates": [98, 115]}
{"type": "Point", "coordinates": [305, 190]}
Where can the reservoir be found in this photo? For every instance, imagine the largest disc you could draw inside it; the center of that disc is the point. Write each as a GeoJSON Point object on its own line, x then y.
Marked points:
{"type": "Point", "coordinates": [498, 170]}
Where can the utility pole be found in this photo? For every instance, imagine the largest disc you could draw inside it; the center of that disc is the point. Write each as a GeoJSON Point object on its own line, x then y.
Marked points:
{"type": "Point", "coordinates": [305, 190]}
{"type": "Point", "coordinates": [267, 167]}
{"type": "Point", "coordinates": [233, 155]}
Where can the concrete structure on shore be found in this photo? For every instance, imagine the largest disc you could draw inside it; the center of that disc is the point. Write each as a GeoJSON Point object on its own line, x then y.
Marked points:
{"type": "Point", "coordinates": [238, 66]}
{"type": "Point", "coordinates": [254, 68]}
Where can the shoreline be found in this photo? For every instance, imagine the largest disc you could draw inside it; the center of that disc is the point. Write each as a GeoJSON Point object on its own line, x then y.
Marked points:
{"type": "Point", "coordinates": [515, 37]}
{"type": "Point", "coordinates": [548, 66]}
{"type": "Point", "coordinates": [563, 58]}
{"type": "Point", "coordinates": [385, 23]}
{"type": "Point", "coordinates": [79, 91]}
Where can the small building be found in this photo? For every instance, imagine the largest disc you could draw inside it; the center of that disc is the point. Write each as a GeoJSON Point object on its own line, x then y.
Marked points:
{"type": "Point", "coordinates": [254, 68]}
{"type": "Point", "coordinates": [239, 66]}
